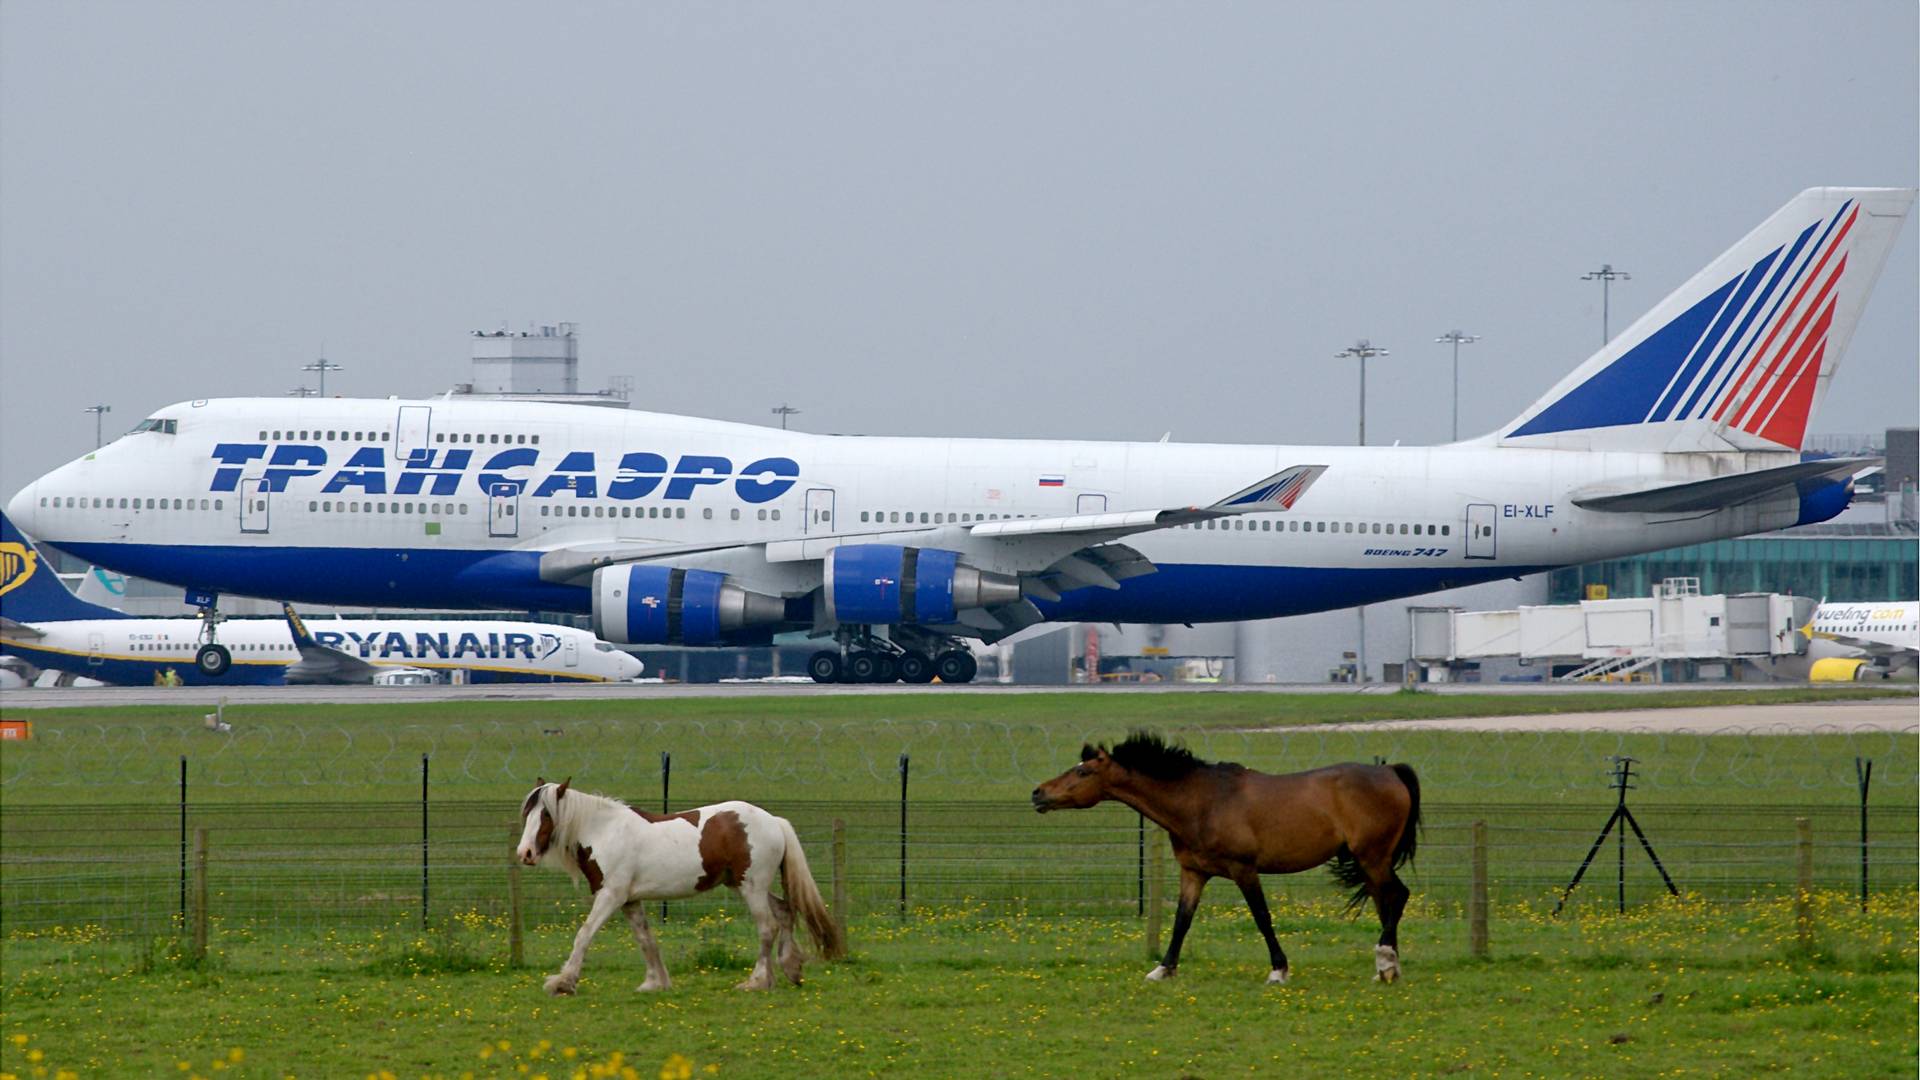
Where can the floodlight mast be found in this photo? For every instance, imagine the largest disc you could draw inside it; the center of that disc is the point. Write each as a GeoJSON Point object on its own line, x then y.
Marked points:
{"type": "Point", "coordinates": [322, 365]}
{"type": "Point", "coordinates": [1362, 350]}
{"type": "Point", "coordinates": [99, 413]}
{"type": "Point", "coordinates": [783, 411]}
{"type": "Point", "coordinates": [1457, 338]}
{"type": "Point", "coordinates": [1606, 276]}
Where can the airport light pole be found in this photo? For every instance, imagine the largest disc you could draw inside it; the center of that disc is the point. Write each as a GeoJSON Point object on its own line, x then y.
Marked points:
{"type": "Point", "coordinates": [99, 413]}
{"type": "Point", "coordinates": [323, 365]}
{"type": "Point", "coordinates": [1457, 338]}
{"type": "Point", "coordinates": [1606, 276]}
{"type": "Point", "coordinates": [1362, 350]}
{"type": "Point", "coordinates": [302, 392]}
{"type": "Point", "coordinates": [783, 411]}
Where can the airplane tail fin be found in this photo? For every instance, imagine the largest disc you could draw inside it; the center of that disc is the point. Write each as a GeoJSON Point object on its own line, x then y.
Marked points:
{"type": "Point", "coordinates": [30, 590]}
{"type": "Point", "coordinates": [1739, 357]}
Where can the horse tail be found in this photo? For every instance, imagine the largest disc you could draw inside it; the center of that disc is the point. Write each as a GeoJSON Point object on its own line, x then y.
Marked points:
{"type": "Point", "coordinates": [1348, 874]}
{"type": "Point", "coordinates": [804, 895]}
{"type": "Point", "coordinates": [1409, 835]}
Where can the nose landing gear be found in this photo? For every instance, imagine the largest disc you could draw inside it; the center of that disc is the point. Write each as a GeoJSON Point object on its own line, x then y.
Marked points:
{"type": "Point", "coordinates": [213, 660]}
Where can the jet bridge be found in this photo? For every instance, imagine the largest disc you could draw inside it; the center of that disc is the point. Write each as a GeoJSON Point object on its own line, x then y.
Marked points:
{"type": "Point", "coordinates": [1622, 639]}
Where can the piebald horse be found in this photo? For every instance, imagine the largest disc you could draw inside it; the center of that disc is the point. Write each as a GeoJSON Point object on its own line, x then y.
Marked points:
{"type": "Point", "coordinates": [1226, 820]}
{"type": "Point", "coordinates": [628, 856]}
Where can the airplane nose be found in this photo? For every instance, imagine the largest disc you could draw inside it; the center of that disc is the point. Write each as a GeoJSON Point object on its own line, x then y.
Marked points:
{"type": "Point", "coordinates": [20, 509]}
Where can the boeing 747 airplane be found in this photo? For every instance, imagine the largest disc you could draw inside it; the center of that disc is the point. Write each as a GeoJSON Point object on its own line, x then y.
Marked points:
{"type": "Point", "coordinates": [677, 530]}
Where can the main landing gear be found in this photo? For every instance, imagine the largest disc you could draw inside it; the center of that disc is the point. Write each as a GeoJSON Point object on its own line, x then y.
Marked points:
{"type": "Point", "coordinates": [213, 660]}
{"type": "Point", "coordinates": [916, 659]}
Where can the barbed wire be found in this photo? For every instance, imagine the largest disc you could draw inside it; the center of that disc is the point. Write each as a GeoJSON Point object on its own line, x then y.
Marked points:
{"type": "Point", "coordinates": [758, 755]}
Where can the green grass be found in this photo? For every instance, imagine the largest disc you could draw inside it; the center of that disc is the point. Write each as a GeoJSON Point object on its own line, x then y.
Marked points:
{"type": "Point", "coordinates": [848, 747]}
{"type": "Point", "coordinates": [1669, 989]}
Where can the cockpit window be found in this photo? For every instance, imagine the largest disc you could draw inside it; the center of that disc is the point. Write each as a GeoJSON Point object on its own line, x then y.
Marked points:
{"type": "Point", "coordinates": [602, 646]}
{"type": "Point", "coordinates": [165, 427]}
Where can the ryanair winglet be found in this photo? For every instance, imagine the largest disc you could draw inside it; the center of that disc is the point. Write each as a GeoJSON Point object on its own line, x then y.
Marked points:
{"type": "Point", "coordinates": [301, 639]}
{"type": "Point", "coordinates": [30, 591]}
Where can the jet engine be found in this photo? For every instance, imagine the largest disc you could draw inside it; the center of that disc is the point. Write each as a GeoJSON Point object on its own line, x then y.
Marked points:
{"type": "Point", "coordinates": [650, 604]}
{"type": "Point", "coordinates": [887, 584]}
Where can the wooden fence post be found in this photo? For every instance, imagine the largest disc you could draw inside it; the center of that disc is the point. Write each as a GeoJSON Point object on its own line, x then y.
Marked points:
{"type": "Point", "coordinates": [1803, 893]}
{"type": "Point", "coordinates": [840, 874]}
{"type": "Point", "coordinates": [1156, 888]}
{"type": "Point", "coordinates": [516, 932]}
{"type": "Point", "coordinates": [200, 893]}
{"type": "Point", "coordinates": [1477, 898]}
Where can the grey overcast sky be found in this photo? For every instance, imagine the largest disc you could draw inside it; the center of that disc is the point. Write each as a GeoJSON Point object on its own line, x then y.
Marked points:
{"type": "Point", "coordinates": [1099, 220]}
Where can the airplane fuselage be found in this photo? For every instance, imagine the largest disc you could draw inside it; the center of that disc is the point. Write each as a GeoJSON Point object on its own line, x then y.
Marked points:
{"type": "Point", "coordinates": [448, 503]}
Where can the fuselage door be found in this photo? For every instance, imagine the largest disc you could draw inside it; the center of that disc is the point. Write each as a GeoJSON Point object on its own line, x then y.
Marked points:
{"type": "Point", "coordinates": [1091, 504]}
{"type": "Point", "coordinates": [503, 510]}
{"type": "Point", "coordinates": [570, 649]}
{"type": "Point", "coordinates": [817, 519]}
{"type": "Point", "coordinates": [410, 432]}
{"type": "Point", "coordinates": [254, 494]}
{"type": "Point", "coordinates": [96, 644]}
{"type": "Point", "coordinates": [1480, 517]}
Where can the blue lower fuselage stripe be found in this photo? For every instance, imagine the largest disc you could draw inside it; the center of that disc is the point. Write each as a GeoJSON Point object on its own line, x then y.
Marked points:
{"type": "Point", "coordinates": [1176, 592]}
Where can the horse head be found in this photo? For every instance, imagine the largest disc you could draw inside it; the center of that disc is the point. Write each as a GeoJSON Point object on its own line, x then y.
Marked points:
{"type": "Point", "coordinates": [1078, 787]}
{"type": "Point", "coordinates": [536, 830]}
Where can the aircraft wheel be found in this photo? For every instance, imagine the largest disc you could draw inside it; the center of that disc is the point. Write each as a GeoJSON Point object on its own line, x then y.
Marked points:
{"type": "Point", "coordinates": [213, 660]}
{"type": "Point", "coordinates": [916, 668]}
{"type": "Point", "coordinates": [889, 669]}
{"type": "Point", "coordinates": [863, 667]}
{"type": "Point", "coordinates": [824, 666]}
{"type": "Point", "coordinates": [956, 666]}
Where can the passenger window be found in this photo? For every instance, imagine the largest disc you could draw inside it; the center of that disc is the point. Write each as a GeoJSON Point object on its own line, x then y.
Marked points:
{"type": "Point", "coordinates": [379, 508]}
{"type": "Point", "coordinates": [895, 513]}
{"type": "Point", "coordinates": [219, 504]}
{"type": "Point", "coordinates": [327, 506]}
{"type": "Point", "coordinates": [463, 509]}
{"type": "Point", "coordinates": [762, 514]}
{"type": "Point", "coordinates": [312, 505]}
{"type": "Point", "coordinates": [386, 436]}
{"type": "Point", "coordinates": [776, 515]}
{"type": "Point", "coordinates": [177, 505]}
{"type": "Point", "coordinates": [1446, 530]}
{"type": "Point", "coordinates": [707, 512]}
{"type": "Point", "coordinates": [536, 440]}
{"type": "Point", "coordinates": [263, 436]}
{"type": "Point", "coordinates": [43, 500]}
{"type": "Point", "coordinates": [736, 514]}
{"type": "Point", "coordinates": [276, 436]}
{"type": "Point", "coordinates": [439, 437]}
{"type": "Point", "coordinates": [863, 513]}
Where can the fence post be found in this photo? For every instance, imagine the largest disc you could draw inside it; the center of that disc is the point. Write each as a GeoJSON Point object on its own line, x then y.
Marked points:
{"type": "Point", "coordinates": [903, 834]}
{"type": "Point", "coordinates": [1865, 775]}
{"type": "Point", "coordinates": [666, 807]}
{"type": "Point", "coordinates": [1803, 894]}
{"type": "Point", "coordinates": [1477, 897]}
{"type": "Point", "coordinates": [840, 873]}
{"type": "Point", "coordinates": [1156, 878]}
{"type": "Point", "coordinates": [516, 943]}
{"type": "Point", "coordinates": [1140, 862]}
{"type": "Point", "coordinates": [200, 894]}
{"type": "Point", "coordinates": [423, 841]}
{"type": "Point", "coordinates": [183, 841]}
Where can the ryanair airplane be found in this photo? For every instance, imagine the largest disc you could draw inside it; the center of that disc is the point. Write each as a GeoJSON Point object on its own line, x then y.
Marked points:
{"type": "Point", "coordinates": [673, 530]}
{"type": "Point", "coordinates": [48, 627]}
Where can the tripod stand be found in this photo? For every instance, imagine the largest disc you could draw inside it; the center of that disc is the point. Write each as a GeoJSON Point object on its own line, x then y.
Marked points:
{"type": "Point", "coordinates": [1622, 773]}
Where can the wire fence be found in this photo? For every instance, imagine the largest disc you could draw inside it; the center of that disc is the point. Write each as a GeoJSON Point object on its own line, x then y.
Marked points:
{"type": "Point", "coordinates": [297, 759]}
{"type": "Point", "coordinates": [310, 868]}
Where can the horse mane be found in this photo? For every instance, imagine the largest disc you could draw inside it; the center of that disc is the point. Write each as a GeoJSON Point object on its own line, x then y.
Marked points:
{"type": "Point", "coordinates": [1147, 753]}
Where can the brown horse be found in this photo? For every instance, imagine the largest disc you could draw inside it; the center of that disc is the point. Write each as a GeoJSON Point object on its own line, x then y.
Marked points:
{"type": "Point", "coordinates": [1226, 820]}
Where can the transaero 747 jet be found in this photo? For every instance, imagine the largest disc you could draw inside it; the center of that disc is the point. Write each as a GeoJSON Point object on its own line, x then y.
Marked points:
{"type": "Point", "coordinates": [676, 530]}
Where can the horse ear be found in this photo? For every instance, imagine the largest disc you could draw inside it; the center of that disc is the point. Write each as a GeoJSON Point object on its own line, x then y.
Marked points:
{"type": "Point", "coordinates": [539, 781]}
{"type": "Point", "coordinates": [561, 792]}
{"type": "Point", "coordinates": [1087, 752]}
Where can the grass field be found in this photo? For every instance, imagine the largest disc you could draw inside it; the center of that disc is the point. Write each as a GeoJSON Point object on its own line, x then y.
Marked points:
{"type": "Point", "coordinates": [319, 966]}
{"type": "Point", "coordinates": [1673, 989]}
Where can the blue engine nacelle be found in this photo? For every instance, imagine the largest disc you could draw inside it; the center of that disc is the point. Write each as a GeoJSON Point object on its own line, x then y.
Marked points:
{"type": "Point", "coordinates": [884, 584]}
{"type": "Point", "coordinates": [650, 604]}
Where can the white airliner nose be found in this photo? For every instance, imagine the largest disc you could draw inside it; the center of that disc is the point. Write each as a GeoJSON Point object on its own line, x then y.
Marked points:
{"type": "Point", "coordinates": [20, 510]}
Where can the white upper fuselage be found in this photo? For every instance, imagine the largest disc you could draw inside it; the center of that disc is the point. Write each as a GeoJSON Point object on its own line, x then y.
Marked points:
{"type": "Point", "coordinates": [1881, 629]}
{"type": "Point", "coordinates": [492, 485]}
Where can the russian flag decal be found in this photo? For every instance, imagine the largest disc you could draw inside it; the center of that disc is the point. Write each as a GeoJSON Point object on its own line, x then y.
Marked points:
{"type": "Point", "coordinates": [1053, 480]}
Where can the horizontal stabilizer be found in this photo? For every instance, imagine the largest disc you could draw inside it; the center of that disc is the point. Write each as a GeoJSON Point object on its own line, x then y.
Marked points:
{"type": "Point", "coordinates": [1661, 496]}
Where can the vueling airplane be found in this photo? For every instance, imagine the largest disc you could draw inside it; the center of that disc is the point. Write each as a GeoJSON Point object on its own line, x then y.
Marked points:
{"type": "Point", "coordinates": [1856, 641]}
{"type": "Point", "coordinates": [48, 627]}
{"type": "Point", "coordinates": [676, 530]}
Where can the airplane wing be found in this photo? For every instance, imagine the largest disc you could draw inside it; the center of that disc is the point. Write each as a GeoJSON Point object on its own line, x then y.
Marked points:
{"type": "Point", "coordinates": [10, 628]}
{"type": "Point", "coordinates": [320, 663]}
{"type": "Point", "coordinates": [1865, 645]}
{"type": "Point", "coordinates": [1659, 496]}
{"type": "Point", "coordinates": [1021, 545]}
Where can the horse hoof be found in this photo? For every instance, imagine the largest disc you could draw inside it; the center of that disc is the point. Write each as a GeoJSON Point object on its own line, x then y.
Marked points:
{"type": "Point", "coordinates": [560, 985]}
{"type": "Point", "coordinates": [1277, 977]}
{"type": "Point", "coordinates": [1386, 963]}
{"type": "Point", "coordinates": [1159, 972]}
{"type": "Point", "coordinates": [751, 984]}
{"type": "Point", "coordinates": [651, 987]}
